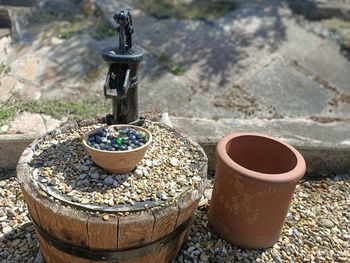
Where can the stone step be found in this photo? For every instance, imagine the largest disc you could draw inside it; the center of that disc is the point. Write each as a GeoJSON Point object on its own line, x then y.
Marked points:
{"type": "Point", "coordinates": [321, 9]}
{"type": "Point", "coordinates": [18, 2]}
{"type": "Point", "coordinates": [4, 32]}
{"type": "Point", "coordinates": [325, 146]}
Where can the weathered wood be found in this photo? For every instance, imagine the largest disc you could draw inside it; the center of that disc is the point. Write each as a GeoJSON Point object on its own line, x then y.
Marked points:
{"type": "Point", "coordinates": [103, 234]}
{"type": "Point", "coordinates": [72, 226]}
{"type": "Point", "coordinates": [72, 229]}
{"type": "Point", "coordinates": [187, 206]}
{"type": "Point", "coordinates": [166, 253]}
{"type": "Point", "coordinates": [174, 247]}
{"type": "Point", "coordinates": [165, 219]}
{"type": "Point", "coordinates": [135, 230]}
{"type": "Point", "coordinates": [164, 223]}
{"type": "Point", "coordinates": [30, 195]}
{"type": "Point", "coordinates": [47, 221]}
{"type": "Point", "coordinates": [44, 248]}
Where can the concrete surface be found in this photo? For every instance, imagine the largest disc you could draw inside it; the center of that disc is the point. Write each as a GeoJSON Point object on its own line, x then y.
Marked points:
{"type": "Point", "coordinates": [319, 9]}
{"type": "Point", "coordinates": [325, 147]}
{"type": "Point", "coordinates": [253, 69]}
{"type": "Point", "coordinates": [11, 148]}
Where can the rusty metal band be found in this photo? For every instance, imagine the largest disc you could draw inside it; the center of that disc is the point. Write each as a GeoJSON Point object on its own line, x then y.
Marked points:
{"type": "Point", "coordinates": [108, 255]}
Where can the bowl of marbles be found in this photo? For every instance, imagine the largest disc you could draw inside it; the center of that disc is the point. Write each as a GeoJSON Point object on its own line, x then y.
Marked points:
{"type": "Point", "coordinates": [117, 148]}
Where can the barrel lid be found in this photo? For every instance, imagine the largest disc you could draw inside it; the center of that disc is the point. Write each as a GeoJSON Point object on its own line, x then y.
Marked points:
{"type": "Point", "coordinates": [56, 181]}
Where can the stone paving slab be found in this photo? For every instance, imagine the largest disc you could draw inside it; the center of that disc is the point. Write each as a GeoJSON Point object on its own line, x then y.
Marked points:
{"type": "Point", "coordinates": [327, 63]}
{"type": "Point", "coordinates": [298, 42]}
{"type": "Point", "coordinates": [238, 50]}
{"type": "Point", "coordinates": [7, 84]}
{"type": "Point", "coordinates": [11, 148]}
{"type": "Point", "coordinates": [287, 90]}
{"type": "Point", "coordinates": [214, 54]}
{"type": "Point", "coordinates": [33, 124]}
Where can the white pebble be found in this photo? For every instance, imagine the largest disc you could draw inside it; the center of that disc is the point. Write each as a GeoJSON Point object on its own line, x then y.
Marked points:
{"type": "Point", "coordinates": [174, 161]}
{"type": "Point", "coordinates": [138, 172]}
{"type": "Point", "coordinates": [149, 163]}
{"type": "Point", "coordinates": [6, 230]}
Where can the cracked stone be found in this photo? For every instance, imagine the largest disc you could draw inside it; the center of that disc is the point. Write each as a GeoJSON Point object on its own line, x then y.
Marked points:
{"type": "Point", "coordinates": [32, 123]}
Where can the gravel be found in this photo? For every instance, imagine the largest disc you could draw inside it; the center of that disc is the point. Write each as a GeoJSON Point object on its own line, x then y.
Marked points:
{"type": "Point", "coordinates": [63, 164]}
{"type": "Point", "coordinates": [17, 238]}
{"type": "Point", "coordinates": [317, 228]}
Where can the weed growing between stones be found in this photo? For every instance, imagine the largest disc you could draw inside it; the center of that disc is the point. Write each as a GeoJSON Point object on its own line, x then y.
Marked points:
{"type": "Point", "coordinates": [168, 64]}
{"type": "Point", "coordinates": [73, 110]}
{"type": "Point", "coordinates": [7, 113]}
{"type": "Point", "coordinates": [4, 69]}
{"type": "Point", "coordinates": [339, 27]}
{"type": "Point", "coordinates": [185, 9]}
{"type": "Point", "coordinates": [70, 22]}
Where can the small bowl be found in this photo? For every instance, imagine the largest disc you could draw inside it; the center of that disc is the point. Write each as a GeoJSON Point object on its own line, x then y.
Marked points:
{"type": "Point", "coordinates": [117, 161]}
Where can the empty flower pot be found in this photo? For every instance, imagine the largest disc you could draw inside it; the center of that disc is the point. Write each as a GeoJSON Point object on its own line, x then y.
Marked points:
{"type": "Point", "coordinates": [255, 179]}
{"type": "Point", "coordinates": [118, 161]}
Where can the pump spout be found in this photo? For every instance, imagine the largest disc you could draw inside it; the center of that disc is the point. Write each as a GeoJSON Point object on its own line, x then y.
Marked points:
{"type": "Point", "coordinates": [117, 82]}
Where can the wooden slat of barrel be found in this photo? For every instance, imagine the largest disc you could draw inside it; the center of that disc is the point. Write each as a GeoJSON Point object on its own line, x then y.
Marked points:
{"type": "Point", "coordinates": [103, 234]}
{"type": "Point", "coordinates": [164, 223]}
{"type": "Point", "coordinates": [165, 219]}
{"type": "Point", "coordinates": [53, 255]}
{"type": "Point", "coordinates": [46, 212]}
{"type": "Point", "coordinates": [26, 187]}
{"type": "Point", "coordinates": [187, 206]}
{"type": "Point", "coordinates": [46, 219]}
{"type": "Point", "coordinates": [72, 226]}
{"type": "Point", "coordinates": [43, 246]}
{"type": "Point", "coordinates": [72, 229]}
{"type": "Point", "coordinates": [135, 230]}
{"type": "Point", "coordinates": [64, 224]}
{"type": "Point", "coordinates": [164, 254]}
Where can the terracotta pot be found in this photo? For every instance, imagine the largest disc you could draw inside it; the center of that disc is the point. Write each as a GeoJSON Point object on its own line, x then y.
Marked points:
{"type": "Point", "coordinates": [256, 176]}
{"type": "Point", "coordinates": [117, 161]}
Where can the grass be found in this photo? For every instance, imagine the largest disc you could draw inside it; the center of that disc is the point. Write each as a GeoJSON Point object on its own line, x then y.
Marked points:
{"type": "Point", "coordinates": [102, 30]}
{"type": "Point", "coordinates": [168, 64]}
{"type": "Point", "coordinates": [7, 113]}
{"type": "Point", "coordinates": [73, 110]}
{"type": "Point", "coordinates": [67, 30]}
{"type": "Point", "coordinates": [340, 27]}
{"type": "Point", "coordinates": [68, 23]}
{"type": "Point", "coordinates": [186, 9]}
{"type": "Point", "coordinates": [4, 69]}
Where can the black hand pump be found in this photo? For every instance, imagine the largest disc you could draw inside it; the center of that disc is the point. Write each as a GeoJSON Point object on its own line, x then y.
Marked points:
{"type": "Point", "coordinates": [121, 83]}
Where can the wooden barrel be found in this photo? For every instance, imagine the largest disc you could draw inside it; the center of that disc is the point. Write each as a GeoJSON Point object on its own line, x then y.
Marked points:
{"type": "Point", "coordinates": [71, 233]}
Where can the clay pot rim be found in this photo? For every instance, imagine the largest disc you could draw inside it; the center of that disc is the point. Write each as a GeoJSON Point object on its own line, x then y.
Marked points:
{"type": "Point", "coordinates": [86, 136]}
{"type": "Point", "coordinates": [293, 175]}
